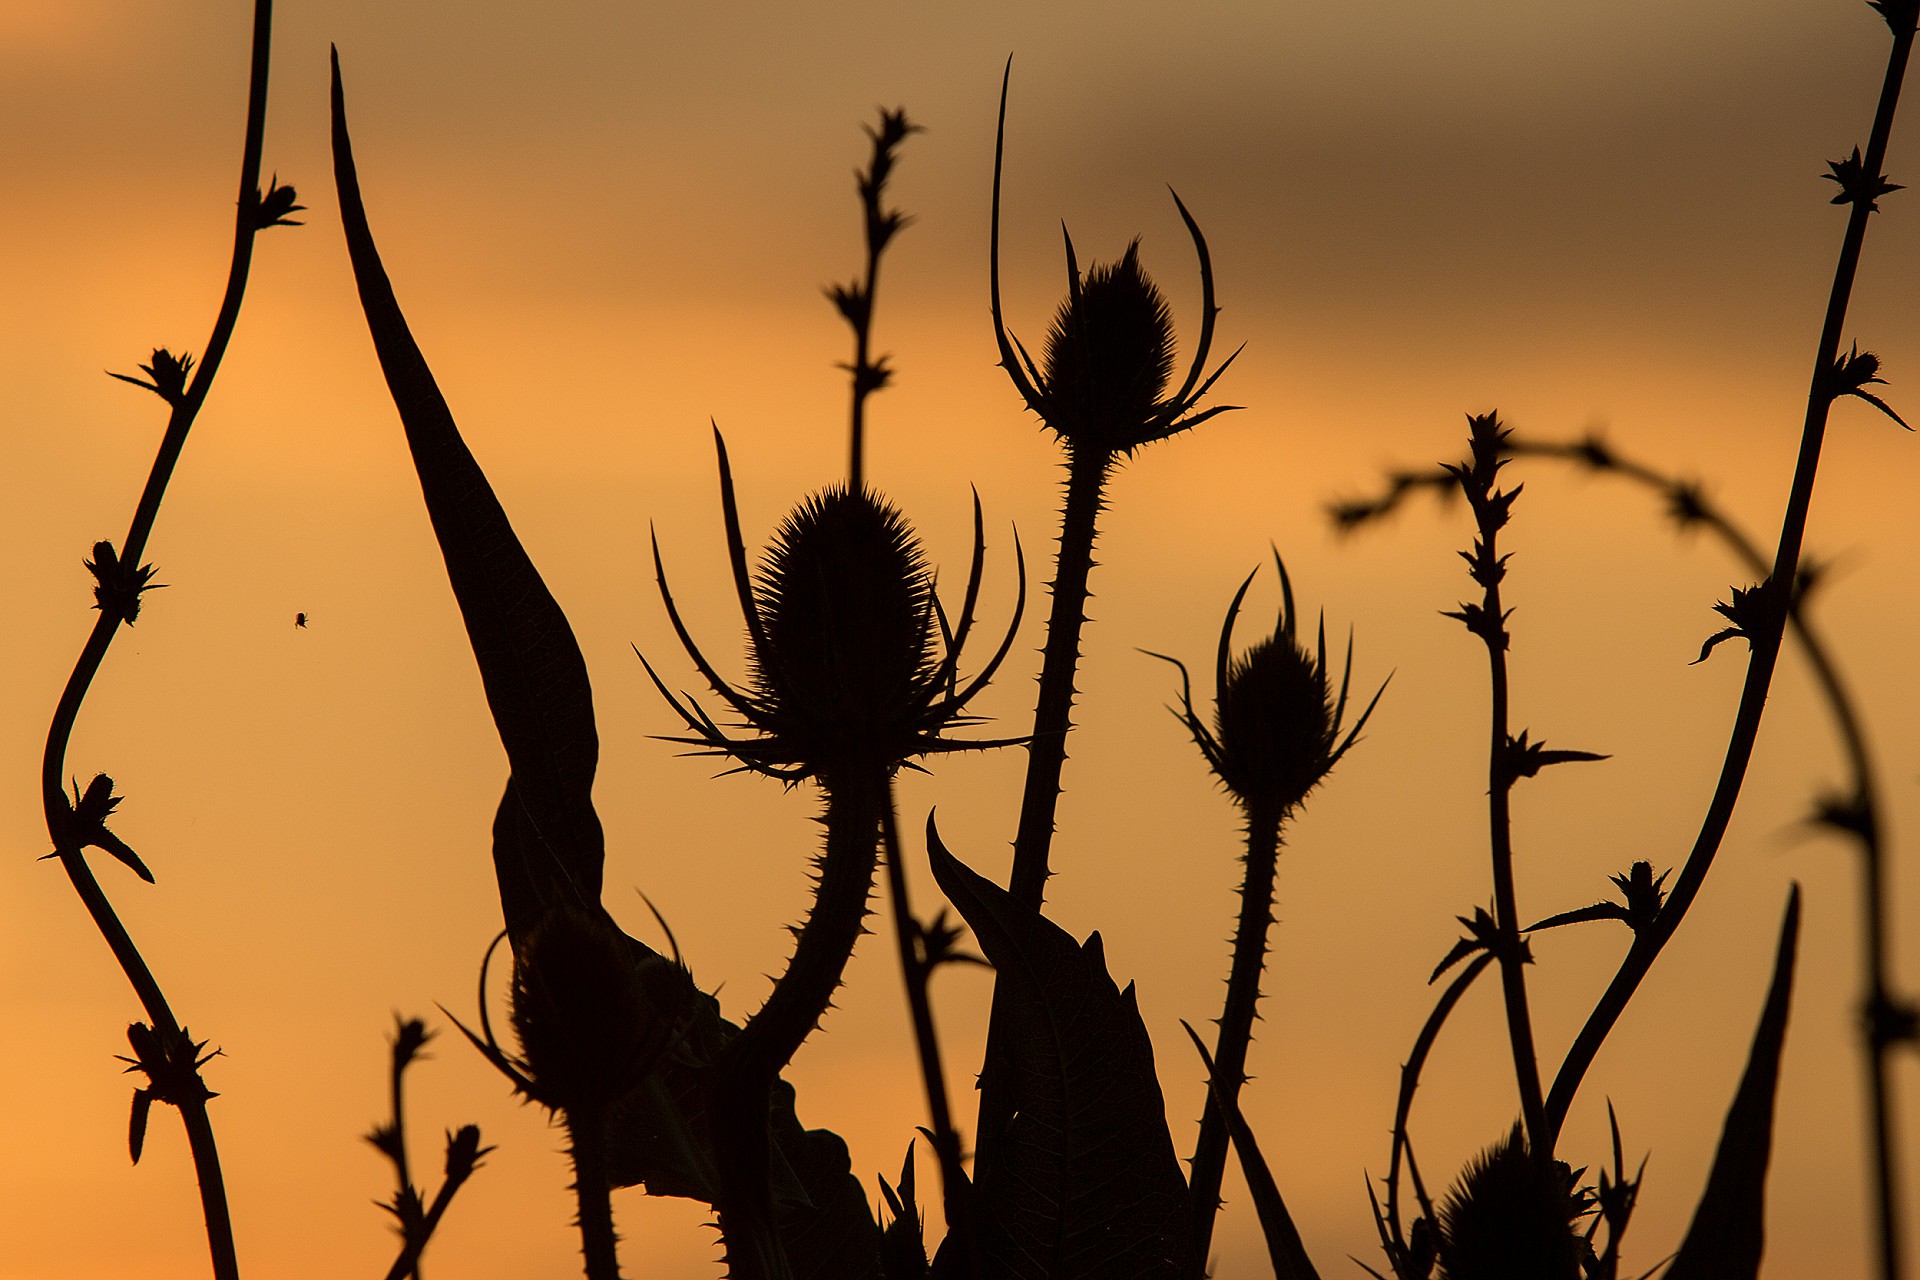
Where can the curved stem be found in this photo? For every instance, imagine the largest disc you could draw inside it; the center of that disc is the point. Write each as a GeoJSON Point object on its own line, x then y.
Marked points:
{"type": "Point", "coordinates": [1649, 942]}
{"type": "Point", "coordinates": [742, 1074]}
{"type": "Point", "coordinates": [1236, 1027]}
{"type": "Point", "coordinates": [1866, 825]}
{"type": "Point", "coordinates": [93, 653]}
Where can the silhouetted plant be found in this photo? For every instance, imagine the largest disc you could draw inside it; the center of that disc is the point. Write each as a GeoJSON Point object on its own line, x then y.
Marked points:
{"type": "Point", "coordinates": [163, 1050]}
{"type": "Point", "coordinates": [1277, 732]}
{"type": "Point", "coordinates": [415, 1218]}
{"type": "Point", "coordinates": [853, 672]}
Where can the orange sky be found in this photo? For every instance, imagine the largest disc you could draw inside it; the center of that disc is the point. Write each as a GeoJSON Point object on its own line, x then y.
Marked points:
{"type": "Point", "coordinates": [609, 223]}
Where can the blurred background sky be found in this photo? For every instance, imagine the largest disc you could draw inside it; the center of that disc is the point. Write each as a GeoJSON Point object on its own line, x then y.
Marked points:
{"type": "Point", "coordinates": [609, 223]}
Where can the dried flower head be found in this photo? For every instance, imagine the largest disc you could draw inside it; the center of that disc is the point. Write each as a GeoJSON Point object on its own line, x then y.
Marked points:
{"type": "Point", "coordinates": [850, 661]}
{"type": "Point", "coordinates": [1109, 356]}
{"type": "Point", "coordinates": [1276, 731]}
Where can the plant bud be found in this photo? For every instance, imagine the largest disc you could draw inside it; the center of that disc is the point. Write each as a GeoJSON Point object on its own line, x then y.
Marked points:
{"type": "Point", "coordinates": [1274, 725]}
{"type": "Point", "coordinates": [586, 1016]}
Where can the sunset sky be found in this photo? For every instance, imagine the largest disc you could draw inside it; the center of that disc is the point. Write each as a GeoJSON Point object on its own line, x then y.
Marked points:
{"type": "Point", "coordinates": [609, 224]}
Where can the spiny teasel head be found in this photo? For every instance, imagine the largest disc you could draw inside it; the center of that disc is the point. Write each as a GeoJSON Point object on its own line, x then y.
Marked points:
{"type": "Point", "coordinates": [1102, 386]}
{"type": "Point", "coordinates": [1109, 354]}
{"type": "Point", "coordinates": [1511, 1217]}
{"type": "Point", "coordinates": [1277, 727]}
{"type": "Point", "coordinates": [845, 599]}
{"type": "Point", "coordinates": [592, 1010]}
{"type": "Point", "coordinates": [850, 660]}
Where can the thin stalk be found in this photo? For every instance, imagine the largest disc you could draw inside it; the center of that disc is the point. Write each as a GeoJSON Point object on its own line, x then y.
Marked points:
{"type": "Point", "coordinates": [914, 966]}
{"type": "Point", "coordinates": [1513, 977]}
{"type": "Point", "coordinates": [1649, 941]}
{"type": "Point", "coordinates": [53, 770]}
{"type": "Point", "coordinates": [744, 1071]}
{"type": "Point", "coordinates": [1236, 1026]}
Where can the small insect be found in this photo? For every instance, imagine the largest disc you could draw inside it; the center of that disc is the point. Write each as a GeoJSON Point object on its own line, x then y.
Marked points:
{"type": "Point", "coordinates": [300, 620]}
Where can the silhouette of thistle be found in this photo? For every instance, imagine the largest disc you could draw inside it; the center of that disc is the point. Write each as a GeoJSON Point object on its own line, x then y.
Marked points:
{"type": "Point", "coordinates": [1278, 730]}
{"type": "Point", "coordinates": [1102, 391]}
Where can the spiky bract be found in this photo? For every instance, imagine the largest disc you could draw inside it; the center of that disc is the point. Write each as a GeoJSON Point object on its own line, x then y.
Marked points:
{"type": "Point", "coordinates": [1109, 355]}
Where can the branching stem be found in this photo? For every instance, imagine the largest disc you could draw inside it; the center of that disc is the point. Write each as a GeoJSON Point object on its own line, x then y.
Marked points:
{"type": "Point", "coordinates": [1649, 942]}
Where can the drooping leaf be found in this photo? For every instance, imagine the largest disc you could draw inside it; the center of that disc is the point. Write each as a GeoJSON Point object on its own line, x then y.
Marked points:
{"type": "Point", "coordinates": [530, 664]}
{"type": "Point", "coordinates": [1285, 1250]}
{"type": "Point", "coordinates": [1728, 1233]}
{"type": "Point", "coordinates": [1086, 1185]}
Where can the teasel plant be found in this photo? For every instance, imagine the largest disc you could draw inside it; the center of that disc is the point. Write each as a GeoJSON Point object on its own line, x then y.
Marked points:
{"type": "Point", "coordinates": [593, 1017]}
{"type": "Point", "coordinates": [1854, 810]}
{"type": "Point", "coordinates": [1101, 387]}
{"type": "Point", "coordinates": [163, 1049]}
{"type": "Point", "coordinates": [1729, 1222]}
{"type": "Point", "coordinates": [853, 674]}
{"type": "Point", "coordinates": [1278, 730]}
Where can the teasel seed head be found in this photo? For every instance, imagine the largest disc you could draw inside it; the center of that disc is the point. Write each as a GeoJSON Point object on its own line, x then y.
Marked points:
{"type": "Point", "coordinates": [1109, 357]}
{"type": "Point", "coordinates": [1277, 727]}
{"type": "Point", "coordinates": [1511, 1217]}
{"type": "Point", "coordinates": [851, 663]}
{"type": "Point", "coordinates": [845, 598]}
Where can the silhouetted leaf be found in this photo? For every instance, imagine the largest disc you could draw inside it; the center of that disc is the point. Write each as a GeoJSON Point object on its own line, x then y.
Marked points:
{"type": "Point", "coordinates": [1728, 1233]}
{"type": "Point", "coordinates": [535, 679]}
{"type": "Point", "coordinates": [1086, 1186]}
{"type": "Point", "coordinates": [1284, 1248]}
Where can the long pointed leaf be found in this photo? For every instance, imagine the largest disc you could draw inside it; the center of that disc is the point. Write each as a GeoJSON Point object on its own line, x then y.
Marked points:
{"type": "Point", "coordinates": [1728, 1233]}
{"type": "Point", "coordinates": [1087, 1186]}
{"type": "Point", "coordinates": [530, 664]}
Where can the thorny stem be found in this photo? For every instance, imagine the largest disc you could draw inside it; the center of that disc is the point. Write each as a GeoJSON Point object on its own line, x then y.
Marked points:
{"type": "Point", "coordinates": [1053, 711]}
{"type": "Point", "coordinates": [1863, 794]}
{"type": "Point", "coordinates": [1490, 509]}
{"type": "Point", "coordinates": [1648, 943]}
{"type": "Point", "coordinates": [587, 1142]}
{"type": "Point", "coordinates": [1236, 1026]}
{"type": "Point", "coordinates": [1046, 751]}
{"type": "Point", "coordinates": [206, 1157]}
{"type": "Point", "coordinates": [744, 1071]}
{"type": "Point", "coordinates": [916, 968]}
